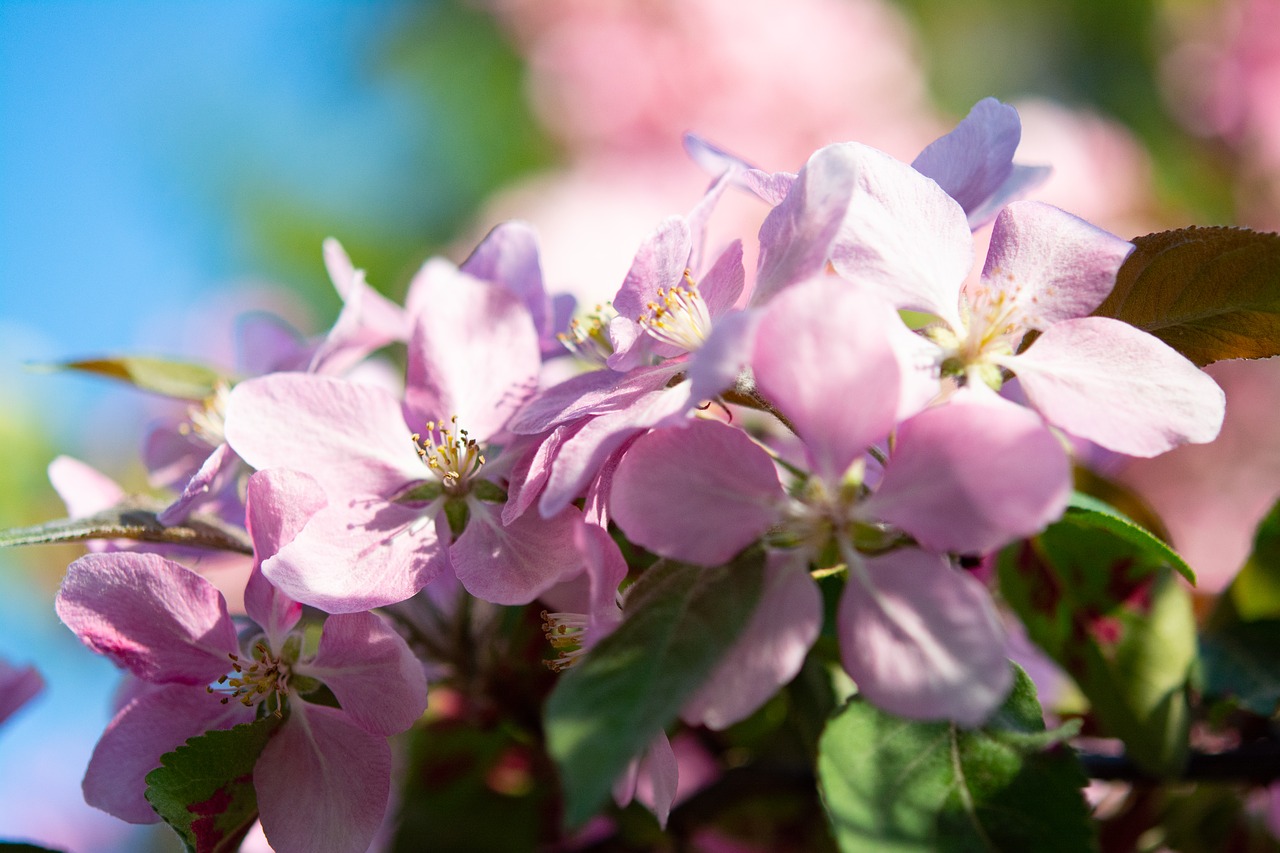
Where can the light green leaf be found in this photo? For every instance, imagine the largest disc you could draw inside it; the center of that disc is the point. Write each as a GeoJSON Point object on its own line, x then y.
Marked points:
{"type": "Point", "coordinates": [891, 785]}
{"type": "Point", "coordinates": [680, 620]}
{"type": "Point", "coordinates": [1210, 293]}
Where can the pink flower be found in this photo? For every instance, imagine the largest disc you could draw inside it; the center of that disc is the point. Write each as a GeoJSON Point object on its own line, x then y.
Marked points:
{"type": "Point", "coordinates": [920, 637]}
{"type": "Point", "coordinates": [18, 686]}
{"type": "Point", "coordinates": [418, 489]}
{"type": "Point", "coordinates": [323, 780]}
{"type": "Point", "coordinates": [1095, 377]}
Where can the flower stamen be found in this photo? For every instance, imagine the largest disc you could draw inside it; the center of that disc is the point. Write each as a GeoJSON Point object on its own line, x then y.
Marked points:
{"type": "Point", "coordinates": [451, 454]}
{"type": "Point", "coordinates": [679, 316]}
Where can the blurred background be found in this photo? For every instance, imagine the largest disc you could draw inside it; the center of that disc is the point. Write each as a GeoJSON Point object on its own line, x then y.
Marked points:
{"type": "Point", "coordinates": [165, 166]}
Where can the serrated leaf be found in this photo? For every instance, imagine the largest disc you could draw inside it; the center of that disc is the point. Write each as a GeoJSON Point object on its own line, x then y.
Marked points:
{"type": "Point", "coordinates": [1104, 603]}
{"type": "Point", "coordinates": [204, 789]}
{"type": "Point", "coordinates": [1255, 590]}
{"type": "Point", "coordinates": [135, 518]}
{"type": "Point", "coordinates": [680, 620]}
{"type": "Point", "coordinates": [158, 375]}
{"type": "Point", "coordinates": [891, 785]}
{"type": "Point", "coordinates": [1210, 293]}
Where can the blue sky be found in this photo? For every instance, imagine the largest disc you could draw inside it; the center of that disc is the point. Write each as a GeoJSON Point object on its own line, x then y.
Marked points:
{"type": "Point", "coordinates": [124, 130]}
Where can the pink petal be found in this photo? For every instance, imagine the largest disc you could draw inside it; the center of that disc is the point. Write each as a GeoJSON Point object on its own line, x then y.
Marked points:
{"type": "Point", "coordinates": [350, 437]}
{"type": "Point", "coordinates": [658, 778]}
{"type": "Point", "coordinates": [974, 163]}
{"type": "Point", "coordinates": [216, 466]}
{"type": "Point", "coordinates": [715, 366]}
{"type": "Point", "coordinates": [149, 725]}
{"type": "Point", "coordinates": [171, 455]}
{"type": "Point", "coordinates": [796, 237]}
{"type": "Point", "coordinates": [162, 622]}
{"type": "Point", "coordinates": [659, 263]}
{"type": "Point", "coordinates": [1046, 265]}
{"type": "Point", "coordinates": [700, 493]}
{"type": "Point", "coordinates": [364, 554]}
{"type": "Point", "coordinates": [514, 563]}
{"type": "Point", "coordinates": [922, 639]}
{"type": "Point", "coordinates": [83, 488]}
{"type": "Point", "coordinates": [903, 236]}
{"type": "Point", "coordinates": [972, 475]}
{"type": "Point", "coordinates": [1106, 381]}
{"type": "Point", "coordinates": [606, 569]}
{"type": "Point", "coordinates": [508, 257]}
{"type": "Point", "coordinates": [18, 686]}
{"type": "Point", "coordinates": [377, 311]}
{"type": "Point", "coordinates": [590, 393]}
{"type": "Point", "coordinates": [474, 354]}
{"type": "Point", "coordinates": [768, 653]}
{"type": "Point", "coordinates": [369, 667]}
{"type": "Point", "coordinates": [278, 504]}
{"type": "Point", "coordinates": [721, 286]}
{"type": "Point", "coordinates": [323, 783]}
{"type": "Point", "coordinates": [823, 357]}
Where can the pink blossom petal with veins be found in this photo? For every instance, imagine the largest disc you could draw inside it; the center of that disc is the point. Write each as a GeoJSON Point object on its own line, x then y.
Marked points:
{"type": "Point", "coordinates": [699, 493]}
{"type": "Point", "coordinates": [360, 554]}
{"type": "Point", "coordinates": [1104, 380]}
{"type": "Point", "coordinates": [508, 257]}
{"type": "Point", "coordinates": [514, 563]}
{"type": "Point", "coordinates": [474, 353]}
{"type": "Point", "coordinates": [823, 357]}
{"type": "Point", "coordinates": [323, 783]}
{"type": "Point", "coordinates": [377, 680]}
{"type": "Point", "coordinates": [903, 236]}
{"type": "Point", "coordinates": [278, 504]}
{"type": "Point", "coordinates": [149, 615]}
{"type": "Point", "coordinates": [1045, 266]}
{"type": "Point", "coordinates": [972, 475]}
{"type": "Point", "coordinates": [351, 438]}
{"type": "Point", "coordinates": [149, 725]}
{"type": "Point", "coordinates": [923, 640]}
{"type": "Point", "coordinates": [768, 653]}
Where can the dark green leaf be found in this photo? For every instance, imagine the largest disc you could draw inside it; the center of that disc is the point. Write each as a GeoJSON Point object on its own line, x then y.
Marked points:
{"type": "Point", "coordinates": [157, 375]}
{"type": "Point", "coordinates": [1241, 660]}
{"type": "Point", "coordinates": [892, 785]}
{"type": "Point", "coordinates": [1102, 515]}
{"type": "Point", "coordinates": [1099, 596]}
{"type": "Point", "coordinates": [23, 847]}
{"type": "Point", "coordinates": [1255, 591]}
{"type": "Point", "coordinates": [680, 620]}
{"type": "Point", "coordinates": [204, 789]}
{"type": "Point", "coordinates": [133, 519]}
{"type": "Point", "coordinates": [1210, 293]}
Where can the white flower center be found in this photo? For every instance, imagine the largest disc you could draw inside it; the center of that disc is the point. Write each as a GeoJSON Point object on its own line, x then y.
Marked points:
{"type": "Point", "coordinates": [588, 338]}
{"type": "Point", "coordinates": [451, 454]}
{"type": "Point", "coordinates": [258, 677]}
{"type": "Point", "coordinates": [208, 419]}
{"type": "Point", "coordinates": [679, 316]}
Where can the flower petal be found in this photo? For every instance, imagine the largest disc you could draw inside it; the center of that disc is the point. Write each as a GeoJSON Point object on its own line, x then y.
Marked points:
{"type": "Point", "coordinates": [768, 653]}
{"type": "Point", "coordinates": [18, 686]}
{"type": "Point", "coordinates": [149, 725]}
{"type": "Point", "coordinates": [323, 783]}
{"type": "Point", "coordinates": [473, 354]}
{"type": "Point", "coordinates": [796, 237]}
{"type": "Point", "coordinates": [508, 257]}
{"type": "Point", "coordinates": [366, 554]}
{"type": "Point", "coordinates": [922, 639]}
{"type": "Point", "coordinates": [369, 667]}
{"type": "Point", "coordinates": [513, 563]}
{"type": "Point", "coordinates": [972, 475]}
{"type": "Point", "coordinates": [823, 357]}
{"type": "Point", "coordinates": [699, 493]}
{"type": "Point", "coordinates": [904, 237]}
{"type": "Point", "coordinates": [974, 162]}
{"type": "Point", "coordinates": [1106, 381]}
{"type": "Point", "coordinates": [278, 504]}
{"type": "Point", "coordinates": [350, 437]}
{"type": "Point", "coordinates": [160, 621]}
{"type": "Point", "coordinates": [1045, 266]}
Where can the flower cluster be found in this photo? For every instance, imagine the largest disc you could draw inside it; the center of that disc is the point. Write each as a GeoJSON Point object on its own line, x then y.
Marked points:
{"type": "Point", "coordinates": [707, 411]}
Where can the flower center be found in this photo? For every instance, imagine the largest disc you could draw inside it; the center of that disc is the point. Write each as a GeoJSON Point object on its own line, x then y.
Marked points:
{"type": "Point", "coordinates": [207, 420]}
{"type": "Point", "coordinates": [255, 678]}
{"type": "Point", "coordinates": [679, 316]}
{"type": "Point", "coordinates": [564, 631]}
{"type": "Point", "coordinates": [588, 338]}
{"type": "Point", "coordinates": [451, 454]}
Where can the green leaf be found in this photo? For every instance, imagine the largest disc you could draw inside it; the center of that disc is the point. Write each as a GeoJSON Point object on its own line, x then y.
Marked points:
{"type": "Point", "coordinates": [1100, 597]}
{"type": "Point", "coordinates": [23, 847]}
{"type": "Point", "coordinates": [680, 620]}
{"type": "Point", "coordinates": [1103, 515]}
{"type": "Point", "coordinates": [1210, 293]}
{"type": "Point", "coordinates": [135, 518]}
{"type": "Point", "coordinates": [157, 375]}
{"type": "Point", "coordinates": [1241, 660]}
{"type": "Point", "coordinates": [204, 789]}
{"type": "Point", "coordinates": [891, 785]}
{"type": "Point", "coordinates": [1255, 591]}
